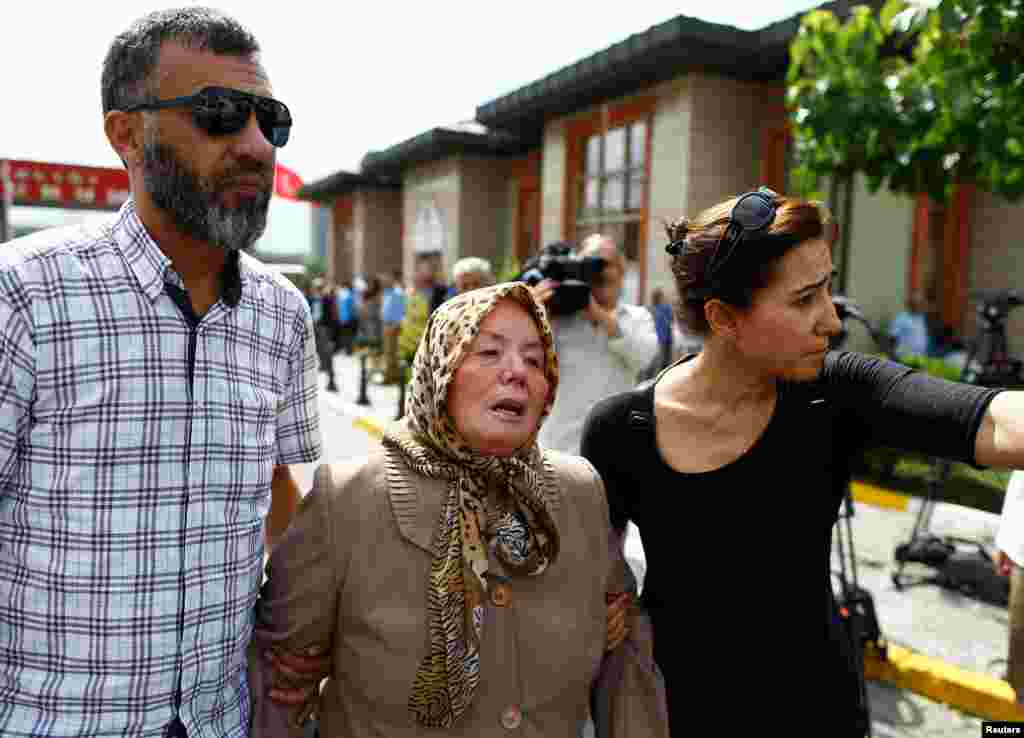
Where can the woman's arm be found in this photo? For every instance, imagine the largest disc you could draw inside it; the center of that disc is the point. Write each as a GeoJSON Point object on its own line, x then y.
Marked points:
{"type": "Point", "coordinates": [602, 446]}
{"type": "Point", "coordinates": [1000, 439]}
{"type": "Point", "coordinates": [296, 614]}
{"type": "Point", "coordinates": [884, 403]}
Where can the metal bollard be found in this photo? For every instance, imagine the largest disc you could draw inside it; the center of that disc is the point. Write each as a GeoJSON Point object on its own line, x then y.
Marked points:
{"type": "Point", "coordinates": [402, 367]}
{"type": "Point", "coordinates": [363, 399]}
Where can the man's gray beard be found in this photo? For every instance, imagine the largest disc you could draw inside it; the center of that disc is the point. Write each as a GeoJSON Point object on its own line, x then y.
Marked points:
{"type": "Point", "coordinates": [194, 208]}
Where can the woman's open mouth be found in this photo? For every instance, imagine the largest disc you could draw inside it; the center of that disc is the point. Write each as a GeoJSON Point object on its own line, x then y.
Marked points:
{"type": "Point", "coordinates": [509, 409]}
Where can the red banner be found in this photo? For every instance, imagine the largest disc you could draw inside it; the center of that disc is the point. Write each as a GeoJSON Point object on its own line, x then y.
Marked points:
{"type": "Point", "coordinates": [64, 185]}
{"type": "Point", "coordinates": [286, 183]}
{"type": "Point", "coordinates": [71, 186]}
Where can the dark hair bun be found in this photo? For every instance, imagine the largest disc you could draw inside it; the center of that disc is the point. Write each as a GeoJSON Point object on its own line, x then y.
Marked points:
{"type": "Point", "coordinates": [677, 229]}
{"type": "Point", "coordinates": [676, 232]}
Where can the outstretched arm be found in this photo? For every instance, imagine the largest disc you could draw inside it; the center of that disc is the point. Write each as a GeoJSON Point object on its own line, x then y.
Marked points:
{"type": "Point", "coordinates": [1000, 439]}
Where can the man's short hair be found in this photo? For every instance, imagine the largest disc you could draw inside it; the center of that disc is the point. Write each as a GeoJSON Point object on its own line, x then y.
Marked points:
{"type": "Point", "coordinates": [133, 56]}
{"type": "Point", "coordinates": [471, 264]}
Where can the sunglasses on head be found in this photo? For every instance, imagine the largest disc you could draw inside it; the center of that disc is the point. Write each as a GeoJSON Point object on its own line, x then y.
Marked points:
{"type": "Point", "coordinates": [221, 111]}
{"type": "Point", "coordinates": [753, 212]}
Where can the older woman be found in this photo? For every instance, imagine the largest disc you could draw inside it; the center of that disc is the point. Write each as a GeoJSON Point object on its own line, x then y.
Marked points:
{"type": "Point", "coordinates": [471, 273]}
{"type": "Point", "coordinates": [458, 577]}
{"type": "Point", "coordinates": [739, 449]}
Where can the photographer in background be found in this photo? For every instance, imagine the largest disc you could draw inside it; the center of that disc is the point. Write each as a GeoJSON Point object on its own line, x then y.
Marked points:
{"type": "Point", "coordinates": [601, 348]}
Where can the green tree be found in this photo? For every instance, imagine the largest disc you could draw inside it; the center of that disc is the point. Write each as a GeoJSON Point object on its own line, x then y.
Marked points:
{"type": "Point", "coordinates": [316, 266]}
{"type": "Point", "coordinates": [413, 325]}
{"type": "Point", "coordinates": [919, 98]}
{"type": "Point", "coordinates": [509, 268]}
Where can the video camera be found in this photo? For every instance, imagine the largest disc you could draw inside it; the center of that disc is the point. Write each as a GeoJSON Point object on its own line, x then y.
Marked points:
{"type": "Point", "coordinates": [575, 275]}
{"type": "Point", "coordinates": [990, 363]}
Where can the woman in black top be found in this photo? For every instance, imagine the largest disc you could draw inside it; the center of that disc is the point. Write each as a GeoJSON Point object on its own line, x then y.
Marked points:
{"type": "Point", "coordinates": [732, 463]}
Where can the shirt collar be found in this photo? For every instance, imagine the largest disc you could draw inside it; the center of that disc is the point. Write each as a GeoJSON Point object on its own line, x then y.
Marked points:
{"type": "Point", "coordinates": [151, 266]}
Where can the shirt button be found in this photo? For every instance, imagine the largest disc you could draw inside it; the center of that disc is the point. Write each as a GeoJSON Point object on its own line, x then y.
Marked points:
{"type": "Point", "coordinates": [501, 595]}
{"type": "Point", "coordinates": [512, 718]}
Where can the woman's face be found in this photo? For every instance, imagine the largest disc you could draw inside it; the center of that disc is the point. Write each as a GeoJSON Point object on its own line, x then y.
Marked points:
{"type": "Point", "coordinates": [499, 391]}
{"type": "Point", "coordinates": [786, 331]}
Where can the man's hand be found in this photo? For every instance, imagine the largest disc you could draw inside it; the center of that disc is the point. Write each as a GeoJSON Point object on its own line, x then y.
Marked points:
{"type": "Point", "coordinates": [618, 609]}
{"type": "Point", "coordinates": [544, 290]}
{"type": "Point", "coordinates": [601, 317]}
{"type": "Point", "coordinates": [1003, 563]}
{"type": "Point", "coordinates": [296, 679]}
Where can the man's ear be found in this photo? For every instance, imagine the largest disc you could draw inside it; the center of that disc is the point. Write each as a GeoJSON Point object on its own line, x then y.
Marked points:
{"type": "Point", "coordinates": [125, 134]}
{"type": "Point", "coordinates": [721, 317]}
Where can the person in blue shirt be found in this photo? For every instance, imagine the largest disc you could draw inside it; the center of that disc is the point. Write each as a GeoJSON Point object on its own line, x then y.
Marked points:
{"type": "Point", "coordinates": [392, 313]}
{"type": "Point", "coordinates": [348, 317]}
{"type": "Point", "coordinates": [909, 329]}
{"type": "Point", "coordinates": [662, 313]}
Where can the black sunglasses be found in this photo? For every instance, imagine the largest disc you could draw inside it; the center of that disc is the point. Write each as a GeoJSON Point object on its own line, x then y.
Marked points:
{"type": "Point", "coordinates": [753, 212]}
{"type": "Point", "coordinates": [221, 111]}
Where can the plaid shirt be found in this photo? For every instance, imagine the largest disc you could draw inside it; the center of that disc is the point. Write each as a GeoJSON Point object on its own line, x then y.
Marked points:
{"type": "Point", "coordinates": [131, 497]}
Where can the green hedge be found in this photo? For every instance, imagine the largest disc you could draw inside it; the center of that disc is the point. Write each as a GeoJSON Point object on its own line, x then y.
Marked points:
{"type": "Point", "coordinates": [935, 367]}
{"type": "Point", "coordinates": [910, 473]}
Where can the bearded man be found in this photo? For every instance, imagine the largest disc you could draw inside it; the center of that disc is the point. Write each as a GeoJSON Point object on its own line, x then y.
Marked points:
{"type": "Point", "coordinates": [156, 382]}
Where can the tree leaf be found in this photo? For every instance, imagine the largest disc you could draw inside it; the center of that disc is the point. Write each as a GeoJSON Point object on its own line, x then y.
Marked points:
{"type": "Point", "coordinates": [890, 10]}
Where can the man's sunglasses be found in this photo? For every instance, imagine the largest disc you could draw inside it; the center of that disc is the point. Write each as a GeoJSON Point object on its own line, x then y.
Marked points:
{"type": "Point", "coordinates": [221, 111]}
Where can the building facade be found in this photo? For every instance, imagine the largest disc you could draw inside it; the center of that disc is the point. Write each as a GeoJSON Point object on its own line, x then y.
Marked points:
{"type": "Point", "coordinates": [663, 124]}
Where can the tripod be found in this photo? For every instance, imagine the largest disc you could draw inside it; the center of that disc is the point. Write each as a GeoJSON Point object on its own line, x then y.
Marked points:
{"type": "Point", "coordinates": [988, 364]}
{"type": "Point", "coordinates": [856, 608]}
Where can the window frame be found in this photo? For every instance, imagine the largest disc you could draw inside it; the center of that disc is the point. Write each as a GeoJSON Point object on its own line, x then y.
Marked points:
{"type": "Point", "coordinates": [599, 122]}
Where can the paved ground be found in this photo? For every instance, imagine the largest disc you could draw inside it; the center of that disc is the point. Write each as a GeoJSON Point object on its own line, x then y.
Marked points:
{"type": "Point", "coordinates": [926, 619]}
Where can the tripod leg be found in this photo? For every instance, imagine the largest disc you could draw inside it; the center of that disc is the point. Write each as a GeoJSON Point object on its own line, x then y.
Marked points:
{"type": "Point", "coordinates": [843, 581]}
{"type": "Point", "coordinates": [922, 513]}
{"type": "Point", "coordinates": [849, 536]}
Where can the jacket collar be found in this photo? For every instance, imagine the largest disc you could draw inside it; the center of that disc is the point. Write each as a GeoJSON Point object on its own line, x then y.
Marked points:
{"type": "Point", "coordinates": [417, 502]}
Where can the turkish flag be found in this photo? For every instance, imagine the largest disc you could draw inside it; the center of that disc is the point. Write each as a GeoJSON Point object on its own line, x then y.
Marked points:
{"type": "Point", "coordinates": [286, 183]}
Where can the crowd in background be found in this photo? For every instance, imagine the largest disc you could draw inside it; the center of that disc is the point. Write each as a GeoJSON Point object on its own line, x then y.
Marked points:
{"type": "Point", "coordinates": [369, 313]}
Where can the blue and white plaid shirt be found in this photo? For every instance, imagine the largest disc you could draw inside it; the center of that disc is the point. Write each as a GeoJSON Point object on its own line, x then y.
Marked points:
{"type": "Point", "coordinates": [125, 492]}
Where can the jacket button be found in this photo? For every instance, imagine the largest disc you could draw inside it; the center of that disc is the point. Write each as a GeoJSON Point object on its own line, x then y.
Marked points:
{"type": "Point", "coordinates": [512, 718]}
{"type": "Point", "coordinates": [501, 595]}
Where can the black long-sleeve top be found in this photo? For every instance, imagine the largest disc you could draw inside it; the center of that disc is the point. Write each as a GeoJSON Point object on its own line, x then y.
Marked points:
{"type": "Point", "coordinates": [736, 556]}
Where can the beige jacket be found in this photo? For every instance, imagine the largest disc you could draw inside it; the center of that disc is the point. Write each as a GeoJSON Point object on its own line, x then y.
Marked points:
{"type": "Point", "coordinates": [351, 574]}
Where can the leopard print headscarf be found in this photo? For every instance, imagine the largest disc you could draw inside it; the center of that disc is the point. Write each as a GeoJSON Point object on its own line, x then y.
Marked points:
{"type": "Point", "coordinates": [519, 527]}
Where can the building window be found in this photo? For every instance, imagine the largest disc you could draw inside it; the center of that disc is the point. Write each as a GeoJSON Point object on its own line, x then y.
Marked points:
{"type": "Point", "coordinates": [609, 191]}
{"type": "Point", "coordinates": [614, 174]}
{"type": "Point", "coordinates": [430, 233]}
